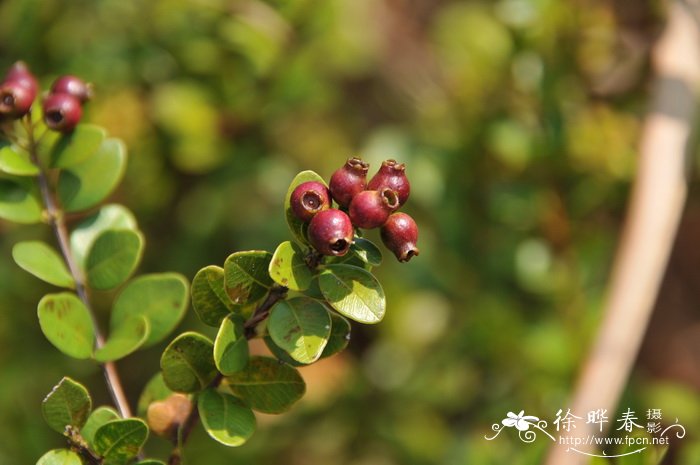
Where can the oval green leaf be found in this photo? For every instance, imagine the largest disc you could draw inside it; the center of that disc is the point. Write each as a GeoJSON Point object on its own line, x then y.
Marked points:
{"type": "Point", "coordinates": [66, 323]}
{"type": "Point", "coordinates": [340, 336]}
{"type": "Point", "coordinates": [118, 441]}
{"type": "Point", "coordinates": [209, 298]}
{"type": "Point", "coordinates": [188, 363]}
{"type": "Point", "coordinates": [301, 327]}
{"type": "Point", "coordinates": [353, 292]}
{"type": "Point", "coordinates": [98, 417]}
{"type": "Point", "coordinates": [231, 346]}
{"type": "Point", "coordinates": [114, 255]}
{"type": "Point", "coordinates": [246, 277]}
{"type": "Point", "coordinates": [88, 183]}
{"type": "Point", "coordinates": [267, 385]}
{"type": "Point", "coordinates": [367, 251]}
{"type": "Point", "coordinates": [12, 162]}
{"type": "Point", "coordinates": [71, 149]}
{"type": "Point", "coordinates": [161, 298]}
{"type": "Point", "coordinates": [288, 267]}
{"type": "Point", "coordinates": [112, 216]}
{"type": "Point", "coordinates": [154, 390]}
{"type": "Point", "coordinates": [280, 353]}
{"type": "Point", "coordinates": [125, 338]}
{"type": "Point", "coordinates": [296, 226]}
{"type": "Point", "coordinates": [44, 262]}
{"type": "Point", "coordinates": [225, 418]}
{"type": "Point", "coordinates": [19, 201]}
{"type": "Point", "coordinates": [68, 404]}
{"type": "Point", "coordinates": [60, 457]}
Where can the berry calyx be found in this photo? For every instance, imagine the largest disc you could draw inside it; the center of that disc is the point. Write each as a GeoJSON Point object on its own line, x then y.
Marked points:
{"type": "Point", "coordinates": [392, 175]}
{"type": "Point", "coordinates": [331, 232]}
{"type": "Point", "coordinates": [62, 112]}
{"type": "Point", "coordinates": [74, 86]}
{"type": "Point", "coordinates": [400, 234]}
{"type": "Point", "coordinates": [309, 198]}
{"type": "Point", "coordinates": [15, 99]}
{"type": "Point", "coordinates": [20, 74]}
{"type": "Point", "coordinates": [348, 181]}
{"type": "Point", "coordinates": [371, 209]}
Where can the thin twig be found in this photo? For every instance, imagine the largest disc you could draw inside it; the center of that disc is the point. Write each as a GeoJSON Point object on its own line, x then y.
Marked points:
{"type": "Point", "coordinates": [656, 204]}
{"type": "Point", "coordinates": [57, 222]}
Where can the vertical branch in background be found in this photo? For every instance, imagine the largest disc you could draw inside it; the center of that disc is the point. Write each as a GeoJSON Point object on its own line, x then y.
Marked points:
{"type": "Point", "coordinates": [657, 201]}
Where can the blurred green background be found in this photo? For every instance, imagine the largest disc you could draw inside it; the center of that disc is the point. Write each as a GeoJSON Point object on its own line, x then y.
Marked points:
{"type": "Point", "coordinates": [518, 121]}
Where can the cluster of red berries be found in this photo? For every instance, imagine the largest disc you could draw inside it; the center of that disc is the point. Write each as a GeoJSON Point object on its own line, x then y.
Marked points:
{"type": "Point", "coordinates": [62, 106]}
{"type": "Point", "coordinates": [368, 205]}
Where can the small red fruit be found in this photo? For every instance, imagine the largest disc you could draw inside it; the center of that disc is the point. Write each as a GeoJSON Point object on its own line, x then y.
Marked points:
{"type": "Point", "coordinates": [15, 99]}
{"type": "Point", "coordinates": [371, 209]}
{"type": "Point", "coordinates": [400, 234]}
{"type": "Point", "coordinates": [74, 86]}
{"type": "Point", "coordinates": [331, 232]}
{"type": "Point", "coordinates": [392, 175]}
{"type": "Point", "coordinates": [62, 112]}
{"type": "Point", "coordinates": [348, 181]}
{"type": "Point", "coordinates": [19, 73]}
{"type": "Point", "coordinates": [309, 198]}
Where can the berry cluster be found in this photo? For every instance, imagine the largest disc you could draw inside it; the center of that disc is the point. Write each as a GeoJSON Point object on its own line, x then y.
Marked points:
{"type": "Point", "coordinates": [361, 204]}
{"type": "Point", "coordinates": [62, 106]}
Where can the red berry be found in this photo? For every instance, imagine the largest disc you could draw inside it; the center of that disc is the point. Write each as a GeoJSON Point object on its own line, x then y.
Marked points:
{"type": "Point", "coordinates": [331, 232]}
{"type": "Point", "coordinates": [15, 99]}
{"type": "Point", "coordinates": [74, 86]}
{"type": "Point", "coordinates": [309, 198]}
{"type": "Point", "coordinates": [348, 180]}
{"type": "Point", "coordinates": [62, 112]}
{"type": "Point", "coordinates": [370, 209]}
{"type": "Point", "coordinates": [19, 73]}
{"type": "Point", "coordinates": [392, 175]}
{"type": "Point", "coordinates": [400, 234]}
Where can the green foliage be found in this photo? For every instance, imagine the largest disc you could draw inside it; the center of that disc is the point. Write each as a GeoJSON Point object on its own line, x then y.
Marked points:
{"type": "Point", "coordinates": [43, 262]}
{"type": "Point", "coordinates": [119, 441]}
{"type": "Point", "coordinates": [188, 363]}
{"type": "Point", "coordinates": [353, 292]}
{"type": "Point", "coordinates": [126, 336]}
{"type": "Point", "coordinates": [68, 404]}
{"type": "Point", "coordinates": [231, 346]}
{"type": "Point", "coordinates": [339, 337]}
{"type": "Point", "coordinates": [109, 217]}
{"type": "Point", "coordinates": [66, 323]}
{"type": "Point", "coordinates": [209, 298]}
{"type": "Point", "coordinates": [246, 278]}
{"type": "Point", "coordinates": [19, 201]}
{"type": "Point", "coordinates": [13, 162]}
{"type": "Point", "coordinates": [267, 385]}
{"type": "Point", "coordinates": [366, 251]}
{"type": "Point", "coordinates": [72, 149]}
{"type": "Point", "coordinates": [60, 457]}
{"type": "Point", "coordinates": [225, 418]}
{"type": "Point", "coordinates": [113, 257]}
{"type": "Point", "coordinates": [288, 267]}
{"type": "Point", "coordinates": [98, 417]}
{"type": "Point", "coordinates": [301, 327]}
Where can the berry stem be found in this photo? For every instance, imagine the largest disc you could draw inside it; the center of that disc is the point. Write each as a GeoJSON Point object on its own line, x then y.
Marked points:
{"type": "Point", "coordinates": [57, 222]}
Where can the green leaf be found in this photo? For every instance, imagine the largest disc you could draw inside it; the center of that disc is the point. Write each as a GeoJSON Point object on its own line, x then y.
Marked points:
{"type": "Point", "coordinates": [71, 149]}
{"type": "Point", "coordinates": [12, 162]}
{"type": "Point", "coordinates": [86, 184]}
{"type": "Point", "coordinates": [281, 354]}
{"type": "Point", "coordinates": [246, 278]}
{"type": "Point", "coordinates": [112, 216]}
{"type": "Point", "coordinates": [288, 268]}
{"type": "Point", "coordinates": [66, 323]}
{"type": "Point", "coordinates": [296, 226]}
{"type": "Point", "coordinates": [340, 336]}
{"type": "Point", "coordinates": [114, 255]}
{"type": "Point", "coordinates": [267, 385]}
{"type": "Point", "coordinates": [60, 457]}
{"type": "Point", "coordinates": [161, 298]}
{"type": "Point", "coordinates": [154, 390]}
{"type": "Point", "coordinates": [68, 404]}
{"type": "Point", "coordinates": [150, 462]}
{"type": "Point", "coordinates": [118, 441]}
{"type": "Point", "coordinates": [231, 346]}
{"type": "Point", "coordinates": [44, 262]}
{"type": "Point", "coordinates": [209, 298]}
{"type": "Point", "coordinates": [225, 418]}
{"type": "Point", "coordinates": [188, 363]}
{"type": "Point", "coordinates": [125, 338]}
{"type": "Point", "coordinates": [19, 201]}
{"type": "Point", "coordinates": [353, 292]}
{"type": "Point", "coordinates": [367, 251]}
{"type": "Point", "coordinates": [301, 327]}
{"type": "Point", "coordinates": [98, 417]}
